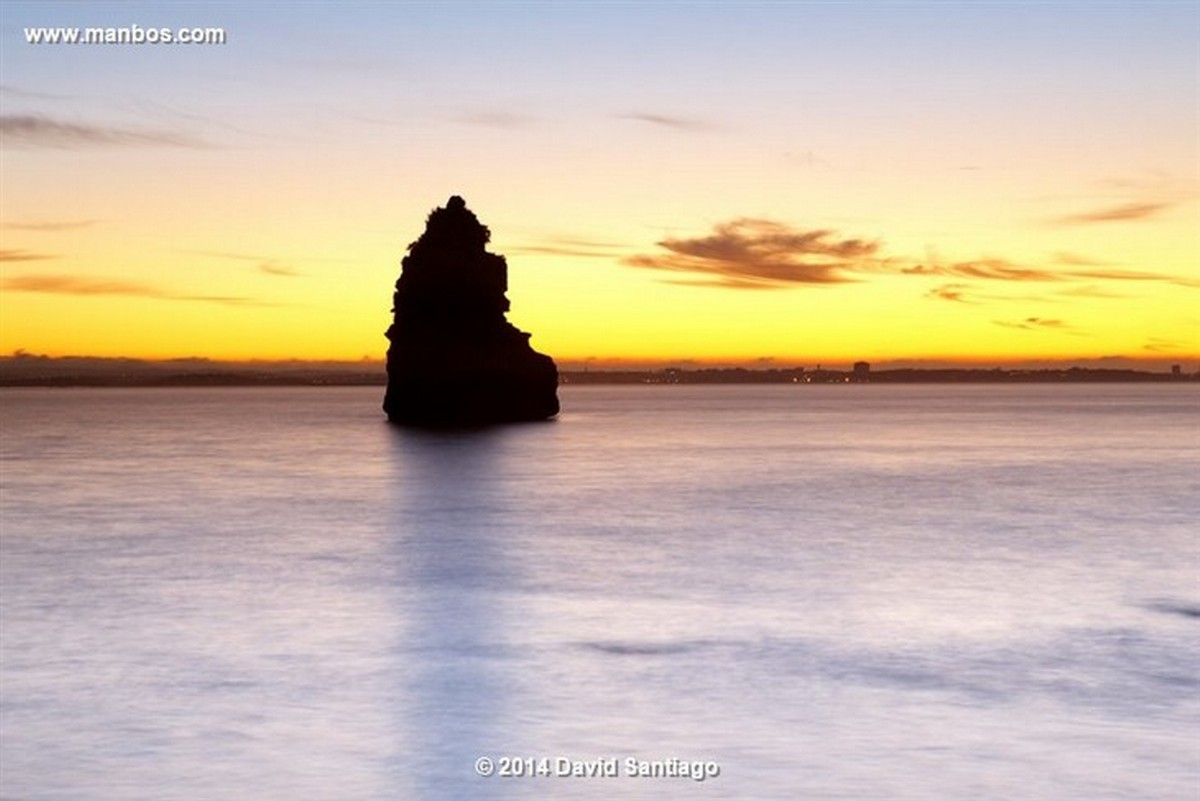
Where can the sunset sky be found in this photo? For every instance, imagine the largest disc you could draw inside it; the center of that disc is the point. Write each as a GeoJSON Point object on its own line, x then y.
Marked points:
{"type": "Point", "coordinates": [788, 183]}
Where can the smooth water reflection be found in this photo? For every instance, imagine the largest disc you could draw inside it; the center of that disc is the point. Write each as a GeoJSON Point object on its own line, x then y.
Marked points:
{"type": "Point", "coordinates": [913, 593]}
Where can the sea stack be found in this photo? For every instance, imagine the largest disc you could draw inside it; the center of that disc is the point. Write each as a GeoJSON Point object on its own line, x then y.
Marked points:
{"type": "Point", "coordinates": [454, 359]}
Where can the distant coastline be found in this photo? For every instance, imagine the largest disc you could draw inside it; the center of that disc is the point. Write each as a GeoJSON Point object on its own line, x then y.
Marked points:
{"type": "Point", "coordinates": [997, 375]}
{"type": "Point", "coordinates": [40, 371]}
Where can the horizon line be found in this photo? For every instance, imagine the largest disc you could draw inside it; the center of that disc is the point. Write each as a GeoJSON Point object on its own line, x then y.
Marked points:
{"type": "Point", "coordinates": [618, 363]}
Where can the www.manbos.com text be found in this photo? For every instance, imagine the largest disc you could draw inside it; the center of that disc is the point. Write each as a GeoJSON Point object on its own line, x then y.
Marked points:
{"type": "Point", "coordinates": [125, 35]}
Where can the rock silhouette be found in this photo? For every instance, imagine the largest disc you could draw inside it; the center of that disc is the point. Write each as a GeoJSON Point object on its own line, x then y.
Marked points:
{"type": "Point", "coordinates": [453, 358]}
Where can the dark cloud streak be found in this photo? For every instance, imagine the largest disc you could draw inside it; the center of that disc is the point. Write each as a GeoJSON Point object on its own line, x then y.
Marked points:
{"type": "Point", "coordinates": [34, 131]}
{"type": "Point", "coordinates": [989, 269]}
{"type": "Point", "coordinates": [50, 226]}
{"type": "Point", "coordinates": [272, 268]}
{"type": "Point", "coordinates": [563, 250]}
{"type": "Point", "coordinates": [495, 119]}
{"type": "Point", "coordinates": [1161, 345]}
{"type": "Point", "coordinates": [1038, 324]}
{"type": "Point", "coordinates": [956, 293]}
{"type": "Point", "coordinates": [24, 255]}
{"type": "Point", "coordinates": [1075, 260]}
{"type": "Point", "coordinates": [669, 121]}
{"type": "Point", "coordinates": [14, 91]}
{"type": "Point", "coordinates": [265, 265]}
{"type": "Point", "coordinates": [58, 284]}
{"type": "Point", "coordinates": [1122, 213]}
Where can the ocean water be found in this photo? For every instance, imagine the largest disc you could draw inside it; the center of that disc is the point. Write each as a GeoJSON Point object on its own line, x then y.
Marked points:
{"type": "Point", "coordinates": [835, 592]}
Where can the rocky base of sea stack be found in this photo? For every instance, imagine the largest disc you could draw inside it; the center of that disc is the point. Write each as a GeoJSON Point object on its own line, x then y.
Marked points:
{"type": "Point", "coordinates": [461, 384]}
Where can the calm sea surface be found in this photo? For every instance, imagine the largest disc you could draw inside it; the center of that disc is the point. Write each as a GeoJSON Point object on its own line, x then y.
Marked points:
{"type": "Point", "coordinates": [842, 592]}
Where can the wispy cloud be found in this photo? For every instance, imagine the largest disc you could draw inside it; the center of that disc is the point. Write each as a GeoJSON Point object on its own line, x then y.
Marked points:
{"type": "Point", "coordinates": [495, 119]}
{"type": "Point", "coordinates": [573, 247]}
{"type": "Point", "coordinates": [759, 253]}
{"type": "Point", "coordinates": [956, 293]}
{"type": "Point", "coordinates": [264, 264]}
{"type": "Point", "coordinates": [274, 268]}
{"type": "Point", "coordinates": [989, 269]}
{"type": "Point", "coordinates": [72, 285]}
{"type": "Point", "coordinates": [670, 121]}
{"type": "Point", "coordinates": [974, 294]}
{"type": "Point", "coordinates": [24, 255]}
{"type": "Point", "coordinates": [1133, 275]}
{"type": "Point", "coordinates": [561, 250]}
{"type": "Point", "coordinates": [1121, 213]}
{"type": "Point", "coordinates": [26, 94]}
{"type": "Point", "coordinates": [1090, 291]}
{"type": "Point", "coordinates": [723, 283]}
{"type": "Point", "coordinates": [59, 284]}
{"type": "Point", "coordinates": [1001, 270]}
{"type": "Point", "coordinates": [1076, 260]}
{"type": "Point", "coordinates": [1040, 324]}
{"type": "Point", "coordinates": [36, 131]}
{"type": "Point", "coordinates": [1162, 345]}
{"type": "Point", "coordinates": [49, 226]}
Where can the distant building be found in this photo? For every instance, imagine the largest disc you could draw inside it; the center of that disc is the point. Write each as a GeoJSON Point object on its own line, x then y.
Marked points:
{"type": "Point", "coordinates": [1177, 370]}
{"type": "Point", "coordinates": [862, 373]}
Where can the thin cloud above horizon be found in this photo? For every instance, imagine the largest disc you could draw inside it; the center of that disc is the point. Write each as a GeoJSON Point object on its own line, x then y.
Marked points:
{"type": "Point", "coordinates": [1003, 270]}
{"type": "Point", "coordinates": [270, 267]}
{"type": "Point", "coordinates": [560, 246]}
{"type": "Point", "coordinates": [1076, 260]}
{"type": "Point", "coordinates": [38, 131]}
{"type": "Point", "coordinates": [987, 269]}
{"type": "Point", "coordinates": [264, 264]}
{"type": "Point", "coordinates": [25, 255]}
{"type": "Point", "coordinates": [1038, 324]}
{"type": "Point", "coordinates": [1124, 212]}
{"type": "Point", "coordinates": [27, 94]}
{"type": "Point", "coordinates": [49, 226]}
{"type": "Point", "coordinates": [1091, 291]}
{"type": "Point", "coordinates": [59, 284]}
{"type": "Point", "coordinates": [1163, 345]}
{"type": "Point", "coordinates": [957, 293]}
{"type": "Point", "coordinates": [495, 119]}
{"type": "Point", "coordinates": [669, 121]}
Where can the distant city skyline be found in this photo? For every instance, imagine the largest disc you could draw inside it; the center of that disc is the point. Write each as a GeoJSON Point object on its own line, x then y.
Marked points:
{"type": "Point", "coordinates": [782, 184]}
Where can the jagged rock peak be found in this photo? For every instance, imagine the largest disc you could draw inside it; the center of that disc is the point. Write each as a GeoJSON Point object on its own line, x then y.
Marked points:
{"type": "Point", "coordinates": [454, 225]}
